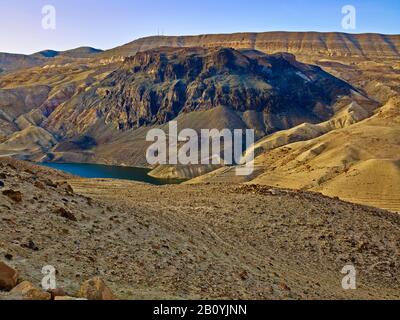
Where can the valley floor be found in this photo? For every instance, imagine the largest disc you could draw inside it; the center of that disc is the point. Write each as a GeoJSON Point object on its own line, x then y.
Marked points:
{"type": "Point", "coordinates": [208, 241]}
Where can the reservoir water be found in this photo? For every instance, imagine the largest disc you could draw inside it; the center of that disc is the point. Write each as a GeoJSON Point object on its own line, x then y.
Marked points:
{"type": "Point", "coordinates": [93, 171]}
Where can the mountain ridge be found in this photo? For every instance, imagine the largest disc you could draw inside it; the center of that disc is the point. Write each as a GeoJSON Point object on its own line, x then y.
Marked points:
{"type": "Point", "coordinates": [323, 43]}
{"type": "Point", "coordinates": [331, 43]}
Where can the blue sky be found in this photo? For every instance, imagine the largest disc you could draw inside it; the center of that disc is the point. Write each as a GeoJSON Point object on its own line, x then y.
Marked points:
{"type": "Point", "coordinates": [108, 23]}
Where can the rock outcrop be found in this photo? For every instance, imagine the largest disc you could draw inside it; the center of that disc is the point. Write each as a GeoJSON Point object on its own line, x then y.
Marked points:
{"type": "Point", "coordinates": [95, 289]}
{"type": "Point", "coordinates": [8, 277]}
{"type": "Point", "coordinates": [27, 291]}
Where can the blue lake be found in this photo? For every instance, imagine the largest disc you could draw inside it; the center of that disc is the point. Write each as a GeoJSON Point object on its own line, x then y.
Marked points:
{"type": "Point", "coordinates": [93, 171]}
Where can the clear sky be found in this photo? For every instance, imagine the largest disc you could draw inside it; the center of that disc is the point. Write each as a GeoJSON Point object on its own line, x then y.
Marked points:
{"type": "Point", "coordinates": [108, 23]}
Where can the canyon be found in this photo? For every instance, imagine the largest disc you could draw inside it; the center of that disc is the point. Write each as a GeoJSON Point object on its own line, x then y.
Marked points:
{"type": "Point", "coordinates": [294, 89]}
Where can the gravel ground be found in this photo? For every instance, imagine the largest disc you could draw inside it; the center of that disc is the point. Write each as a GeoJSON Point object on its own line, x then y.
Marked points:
{"type": "Point", "coordinates": [207, 241]}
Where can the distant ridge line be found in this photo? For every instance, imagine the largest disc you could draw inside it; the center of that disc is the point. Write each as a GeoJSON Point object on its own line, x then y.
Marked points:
{"type": "Point", "coordinates": [321, 43]}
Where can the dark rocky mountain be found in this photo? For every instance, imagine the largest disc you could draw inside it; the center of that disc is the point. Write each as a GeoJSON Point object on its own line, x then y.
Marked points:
{"type": "Point", "coordinates": [154, 87]}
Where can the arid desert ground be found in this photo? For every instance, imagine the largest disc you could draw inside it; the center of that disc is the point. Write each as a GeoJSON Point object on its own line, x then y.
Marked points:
{"type": "Point", "coordinates": [211, 241]}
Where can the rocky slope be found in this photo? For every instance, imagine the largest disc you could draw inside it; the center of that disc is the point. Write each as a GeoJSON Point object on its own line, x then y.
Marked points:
{"type": "Point", "coordinates": [194, 242]}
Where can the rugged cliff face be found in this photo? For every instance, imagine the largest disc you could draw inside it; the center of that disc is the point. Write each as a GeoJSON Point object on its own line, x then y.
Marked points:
{"type": "Point", "coordinates": [154, 87]}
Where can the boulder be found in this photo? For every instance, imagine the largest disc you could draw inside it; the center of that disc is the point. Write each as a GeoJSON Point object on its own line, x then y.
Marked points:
{"type": "Point", "coordinates": [30, 245]}
{"type": "Point", "coordinates": [66, 214]}
{"type": "Point", "coordinates": [57, 293]}
{"type": "Point", "coordinates": [27, 291]}
{"type": "Point", "coordinates": [8, 277]}
{"type": "Point", "coordinates": [95, 289]}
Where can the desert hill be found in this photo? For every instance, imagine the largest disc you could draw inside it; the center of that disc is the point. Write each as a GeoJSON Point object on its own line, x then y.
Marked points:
{"type": "Point", "coordinates": [12, 62]}
{"type": "Point", "coordinates": [82, 52]}
{"type": "Point", "coordinates": [194, 242]}
{"type": "Point", "coordinates": [358, 163]}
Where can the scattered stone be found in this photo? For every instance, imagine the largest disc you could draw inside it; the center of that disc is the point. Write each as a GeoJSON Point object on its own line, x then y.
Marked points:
{"type": "Point", "coordinates": [29, 171]}
{"type": "Point", "coordinates": [66, 214]}
{"type": "Point", "coordinates": [244, 275]}
{"type": "Point", "coordinates": [3, 175]}
{"type": "Point", "coordinates": [284, 286]}
{"type": "Point", "coordinates": [56, 293]}
{"type": "Point", "coordinates": [8, 256]}
{"type": "Point", "coordinates": [39, 185]}
{"type": "Point", "coordinates": [29, 292]}
{"type": "Point", "coordinates": [8, 277]}
{"type": "Point", "coordinates": [89, 201]}
{"type": "Point", "coordinates": [273, 192]}
{"type": "Point", "coordinates": [95, 289]}
{"type": "Point", "coordinates": [68, 188]}
{"type": "Point", "coordinates": [30, 245]}
{"type": "Point", "coordinates": [49, 183]}
{"type": "Point", "coordinates": [15, 196]}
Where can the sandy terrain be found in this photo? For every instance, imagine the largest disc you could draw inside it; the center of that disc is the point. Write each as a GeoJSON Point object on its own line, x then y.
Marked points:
{"type": "Point", "coordinates": [359, 163]}
{"type": "Point", "coordinates": [195, 241]}
{"type": "Point", "coordinates": [356, 161]}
